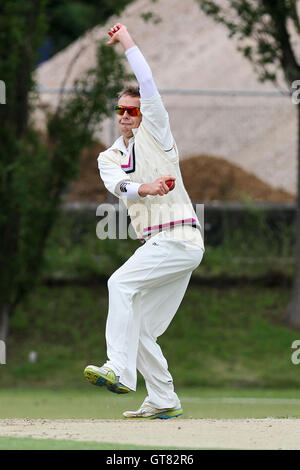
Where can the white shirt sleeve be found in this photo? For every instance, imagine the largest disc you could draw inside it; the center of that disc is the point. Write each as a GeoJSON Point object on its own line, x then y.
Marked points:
{"type": "Point", "coordinates": [114, 178]}
{"type": "Point", "coordinates": [128, 190]}
{"type": "Point", "coordinates": [156, 121]}
{"type": "Point", "coordinates": [142, 72]}
{"type": "Point", "coordinates": [155, 115]}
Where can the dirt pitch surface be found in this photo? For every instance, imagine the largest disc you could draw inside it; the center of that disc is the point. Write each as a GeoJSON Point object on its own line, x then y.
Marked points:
{"type": "Point", "coordinates": [269, 433]}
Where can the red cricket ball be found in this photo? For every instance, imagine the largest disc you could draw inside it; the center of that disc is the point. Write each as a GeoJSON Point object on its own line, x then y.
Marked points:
{"type": "Point", "coordinates": [170, 184]}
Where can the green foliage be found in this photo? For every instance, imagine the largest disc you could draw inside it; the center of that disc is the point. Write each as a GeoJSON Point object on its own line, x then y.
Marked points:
{"type": "Point", "coordinates": [27, 212]}
{"type": "Point", "coordinates": [261, 28]}
{"type": "Point", "coordinates": [150, 16]}
{"type": "Point", "coordinates": [71, 127]}
{"type": "Point", "coordinates": [250, 249]}
{"type": "Point", "coordinates": [70, 19]}
{"type": "Point", "coordinates": [34, 173]}
{"type": "Point", "coordinates": [22, 28]}
{"type": "Point", "coordinates": [266, 34]}
{"type": "Point", "coordinates": [40, 174]}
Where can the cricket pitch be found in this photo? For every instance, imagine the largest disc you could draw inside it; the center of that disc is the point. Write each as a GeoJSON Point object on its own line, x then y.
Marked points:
{"type": "Point", "coordinates": [268, 433]}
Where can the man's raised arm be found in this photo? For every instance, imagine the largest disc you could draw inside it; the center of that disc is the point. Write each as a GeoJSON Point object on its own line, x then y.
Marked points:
{"type": "Point", "coordinates": [141, 69]}
{"type": "Point", "coordinates": [155, 116]}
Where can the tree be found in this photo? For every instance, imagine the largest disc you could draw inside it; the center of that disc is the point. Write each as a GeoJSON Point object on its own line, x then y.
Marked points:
{"type": "Point", "coordinates": [68, 19]}
{"type": "Point", "coordinates": [33, 172]}
{"type": "Point", "coordinates": [263, 29]}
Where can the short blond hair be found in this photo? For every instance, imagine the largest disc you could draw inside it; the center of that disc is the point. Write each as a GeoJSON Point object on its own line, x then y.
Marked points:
{"type": "Point", "coordinates": [130, 90]}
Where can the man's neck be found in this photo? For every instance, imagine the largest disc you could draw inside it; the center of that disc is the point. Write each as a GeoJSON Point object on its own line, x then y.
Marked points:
{"type": "Point", "coordinates": [126, 141]}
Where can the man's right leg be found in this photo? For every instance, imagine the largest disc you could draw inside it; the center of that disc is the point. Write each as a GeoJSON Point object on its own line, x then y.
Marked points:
{"type": "Point", "coordinates": [148, 266]}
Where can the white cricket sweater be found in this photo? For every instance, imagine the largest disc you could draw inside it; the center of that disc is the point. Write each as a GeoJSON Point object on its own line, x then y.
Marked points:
{"type": "Point", "coordinates": [143, 163]}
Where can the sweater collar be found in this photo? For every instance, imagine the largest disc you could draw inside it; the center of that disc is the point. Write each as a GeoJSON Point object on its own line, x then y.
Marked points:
{"type": "Point", "coordinates": [119, 144]}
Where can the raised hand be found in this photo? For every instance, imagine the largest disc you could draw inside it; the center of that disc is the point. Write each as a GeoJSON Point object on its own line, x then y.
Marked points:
{"type": "Point", "coordinates": [119, 33]}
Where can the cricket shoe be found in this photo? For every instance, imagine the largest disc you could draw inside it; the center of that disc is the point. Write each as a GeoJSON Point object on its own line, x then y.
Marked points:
{"type": "Point", "coordinates": [105, 377]}
{"type": "Point", "coordinates": [149, 412]}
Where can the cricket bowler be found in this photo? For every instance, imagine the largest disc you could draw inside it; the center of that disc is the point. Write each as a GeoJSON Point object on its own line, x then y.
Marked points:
{"type": "Point", "coordinates": [142, 169]}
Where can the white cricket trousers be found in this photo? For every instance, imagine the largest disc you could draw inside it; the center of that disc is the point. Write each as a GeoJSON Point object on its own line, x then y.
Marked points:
{"type": "Point", "coordinates": [144, 295]}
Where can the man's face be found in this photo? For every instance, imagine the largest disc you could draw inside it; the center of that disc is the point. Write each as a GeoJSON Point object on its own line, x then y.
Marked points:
{"type": "Point", "coordinates": [126, 122]}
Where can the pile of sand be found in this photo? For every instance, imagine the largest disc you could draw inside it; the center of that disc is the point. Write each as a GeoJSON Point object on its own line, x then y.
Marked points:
{"type": "Point", "coordinates": [206, 178]}
{"type": "Point", "coordinates": [187, 50]}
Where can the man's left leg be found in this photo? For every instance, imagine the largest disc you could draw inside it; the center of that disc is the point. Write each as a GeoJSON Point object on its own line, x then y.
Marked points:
{"type": "Point", "coordinates": [159, 307]}
{"type": "Point", "coordinates": [150, 359]}
{"type": "Point", "coordinates": [148, 266]}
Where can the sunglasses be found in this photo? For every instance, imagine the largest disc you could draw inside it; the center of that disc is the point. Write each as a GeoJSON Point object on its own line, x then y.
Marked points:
{"type": "Point", "coordinates": [131, 110]}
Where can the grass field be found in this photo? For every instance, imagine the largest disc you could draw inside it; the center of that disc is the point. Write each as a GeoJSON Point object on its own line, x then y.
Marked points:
{"type": "Point", "coordinates": [233, 337]}
{"type": "Point", "coordinates": [27, 443]}
{"type": "Point", "coordinates": [45, 411]}
{"type": "Point", "coordinates": [94, 403]}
